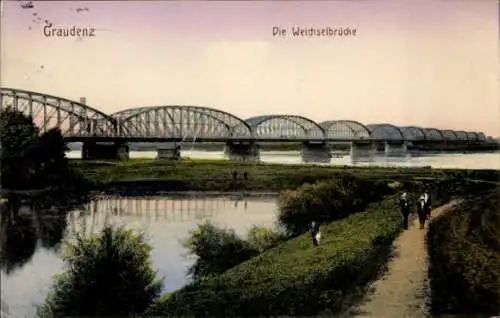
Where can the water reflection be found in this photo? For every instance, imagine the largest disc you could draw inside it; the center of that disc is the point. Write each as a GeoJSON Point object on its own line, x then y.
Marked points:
{"type": "Point", "coordinates": [27, 224]}
{"type": "Point", "coordinates": [32, 231]}
{"type": "Point", "coordinates": [18, 237]}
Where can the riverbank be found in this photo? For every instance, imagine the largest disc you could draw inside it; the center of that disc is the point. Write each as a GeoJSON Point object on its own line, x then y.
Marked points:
{"type": "Point", "coordinates": [464, 254]}
{"type": "Point", "coordinates": [297, 278]}
{"type": "Point", "coordinates": [143, 176]}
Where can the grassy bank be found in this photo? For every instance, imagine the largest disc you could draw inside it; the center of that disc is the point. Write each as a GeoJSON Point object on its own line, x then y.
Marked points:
{"type": "Point", "coordinates": [217, 175]}
{"type": "Point", "coordinates": [296, 278]}
{"type": "Point", "coordinates": [464, 252]}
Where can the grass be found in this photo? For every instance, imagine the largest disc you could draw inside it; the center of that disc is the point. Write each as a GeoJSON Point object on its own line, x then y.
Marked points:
{"type": "Point", "coordinates": [464, 252]}
{"type": "Point", "coordinates": [296, 278]}
{"type": "Point", "coordinates": [216, 175]}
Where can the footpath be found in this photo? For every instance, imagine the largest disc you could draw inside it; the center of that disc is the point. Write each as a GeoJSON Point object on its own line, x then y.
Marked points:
{"type": "Point", "coordinates": [402, 292]}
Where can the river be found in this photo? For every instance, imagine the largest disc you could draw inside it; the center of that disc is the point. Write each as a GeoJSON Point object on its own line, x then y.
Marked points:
{"type": "Point", "coordinates": [484, 160]}
{"type": "Point", "coordinates": [30, 241]}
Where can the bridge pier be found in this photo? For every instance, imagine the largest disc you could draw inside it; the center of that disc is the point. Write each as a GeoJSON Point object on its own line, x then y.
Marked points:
{"type": "Point", "coordinates": [242, 151]}
{"type": "Point", "coordinates": [315, 152]}
{"type": "Point", "coordinates": [362, 149]}
{"type": "Point", "coordinates": [92, 150]}
{"type": "Point", "coordinates": [395, 149]}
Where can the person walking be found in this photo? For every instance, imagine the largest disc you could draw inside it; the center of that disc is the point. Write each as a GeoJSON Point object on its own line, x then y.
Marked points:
{"type": "Point", "coordinates": [315, 232]}
{"type": "Point", "coordinates": [424, 209]}
{"type": "Point", "coordinates": [405, 209]}
{"type": "Point", "coordinates": [428, 205]}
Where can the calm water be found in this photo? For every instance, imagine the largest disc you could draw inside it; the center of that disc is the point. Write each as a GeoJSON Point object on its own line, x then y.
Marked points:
{"type": "Point", "coordinates": [30, 242]}
{"type": "Point", "coordinates": [489, 160]}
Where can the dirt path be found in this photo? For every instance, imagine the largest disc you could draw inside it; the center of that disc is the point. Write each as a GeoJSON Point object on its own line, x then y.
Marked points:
{"type": "Point", "coordinates": [401, 292]}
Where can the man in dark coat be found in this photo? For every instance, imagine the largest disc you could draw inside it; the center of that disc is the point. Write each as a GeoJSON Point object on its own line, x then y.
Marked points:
{"type": "Point", "coordinates": [405, 209]}
{"type": "Point", "coordinates": [424, 209]}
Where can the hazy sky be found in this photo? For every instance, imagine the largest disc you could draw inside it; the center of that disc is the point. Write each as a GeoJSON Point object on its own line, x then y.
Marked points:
{"type": "Point", "coordinates": [426, 63]}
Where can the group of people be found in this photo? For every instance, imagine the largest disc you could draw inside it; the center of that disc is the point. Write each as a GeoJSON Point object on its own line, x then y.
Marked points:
{"type": "Point", "coordinates": [424, 208]}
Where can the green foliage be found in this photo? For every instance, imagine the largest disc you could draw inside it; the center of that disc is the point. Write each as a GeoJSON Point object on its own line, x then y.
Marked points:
{"type": "Point", "coordinates": [262, 238]}
{"type": "Point", "coordinates": [464, 252]}
{"type": "Point", "coordinates": [216, 250]}
{"type": "Point", "coordinates": [31, 161]}
{"type": "Point", "coordinates": [108, 275]}
{"type": "Point", "coordinates": [18, 135]}
{"type": "Point", "coordinates": [296, 278]}
{"type": "Point", "coordinates": [326, 201]}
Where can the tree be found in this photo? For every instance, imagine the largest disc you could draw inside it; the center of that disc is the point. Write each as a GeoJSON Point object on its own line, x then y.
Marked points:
{"type": "Point", "coordinates": [108, 275]}
{"type": "Point", "coordinates": [18, 136]}
{"type": "Point", "coordinates": [29, 160]}
{"type": "Point", "coordinates": [50, 154]}
{"type": "Point", "coordinates": [217, 250]}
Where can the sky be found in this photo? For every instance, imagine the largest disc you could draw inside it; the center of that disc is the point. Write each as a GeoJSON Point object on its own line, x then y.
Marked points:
{"type": "Point", "coordinates": [424, 63]}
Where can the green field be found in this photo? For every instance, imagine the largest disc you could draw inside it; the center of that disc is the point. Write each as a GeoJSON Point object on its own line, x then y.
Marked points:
{"type": "Point", "coordinates": [217, 175]}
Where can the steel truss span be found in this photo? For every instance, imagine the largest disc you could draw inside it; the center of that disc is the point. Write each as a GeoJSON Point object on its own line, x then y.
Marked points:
{"type": "Point", "coordinates": [413, 133]}
{"type": "Point", "coordinates": [386, 132]}
{"type": "Point", "coordinates": [449, 135]}
{"type": "Point", "coordinates": [285, 127]}
{"type": "Point", "coordinates": [78, 121]}
{"type": "Point", "coordinates": [181, 122]}
{"type": "Point", "coordinates": [72, 118]}
{"type": "Point", "coordinates": [345, 129]}
{"type": "Point", "coordinates": [433, 134]}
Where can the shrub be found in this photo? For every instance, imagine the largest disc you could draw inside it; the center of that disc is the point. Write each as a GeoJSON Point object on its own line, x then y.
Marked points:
{"type": "Point", "coordinates": [108, 274]}
{"type": "Point", "coordinates": [326, 201]}
{"type": "Point", "coordinates": [464, 253]}
{"type": "Point", "coordinates": [296, 278]}
{"type": "Point", "coordinates": [261, 238]}
{"type": "Point", "coordinates": [217, 250]}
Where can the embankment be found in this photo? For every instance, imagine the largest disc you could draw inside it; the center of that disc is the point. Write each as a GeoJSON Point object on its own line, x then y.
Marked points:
{"type": "Point", "coordinates": [464, 254]}
{"type": "Point", "coordinates": [296, 278]}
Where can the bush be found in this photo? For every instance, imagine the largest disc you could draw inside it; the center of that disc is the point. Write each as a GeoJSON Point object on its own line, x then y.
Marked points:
{"type": "Point", "coordinates": [108, 274]}
{"type": "Point", "coordinates": [217, 250]}
{"type": "Point", "coordinates": [464, 253]}
{"type": "Point", "coordinates": [326, 201]}
{"type": "Point", "coordinates": [262, 239]}
{"type": "Point", "coordinates": [296, 278]}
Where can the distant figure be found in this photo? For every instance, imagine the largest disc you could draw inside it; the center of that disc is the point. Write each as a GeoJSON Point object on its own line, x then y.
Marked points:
{"type": "Point", "coordinates": [315, 232]}
{"type": "Point", "coordinates": [424, 209]}
{"type": "Point", "coordinates": [235, 175]}
{"type": "Point", "coordinates": [428, 205]}
{"type": "Point", "coordinates": [245, 175]}
{"type": "Point", "coordinates": [405, 209]}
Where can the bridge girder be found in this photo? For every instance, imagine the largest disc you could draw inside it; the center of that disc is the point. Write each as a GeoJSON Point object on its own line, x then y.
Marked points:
{"type": "Point", "coordinates": [78, 120]}
{"type": "Point", "coordinates": [413, 133]}
{"type": "Point", "coordinates": [48, 111]}
{"type": "Point", "coordinates": [481, 136]}
{"type": "Point", "coordinates": [433, 134]}
{"type": "Point", "coordinates": [345, 129]}
{"type": "Point", "coordinates": [285, 127]}
{"type": "Point", "coordinates": [449, 135]}
{"type": "Point", "coordinates": [461, 135]}
{"type": "Point", "coordinates": [472, 136]}
{"type": "Point", "coordinates": [385, 132]}
{"type": "Point", "coordinates": [183, 122]}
